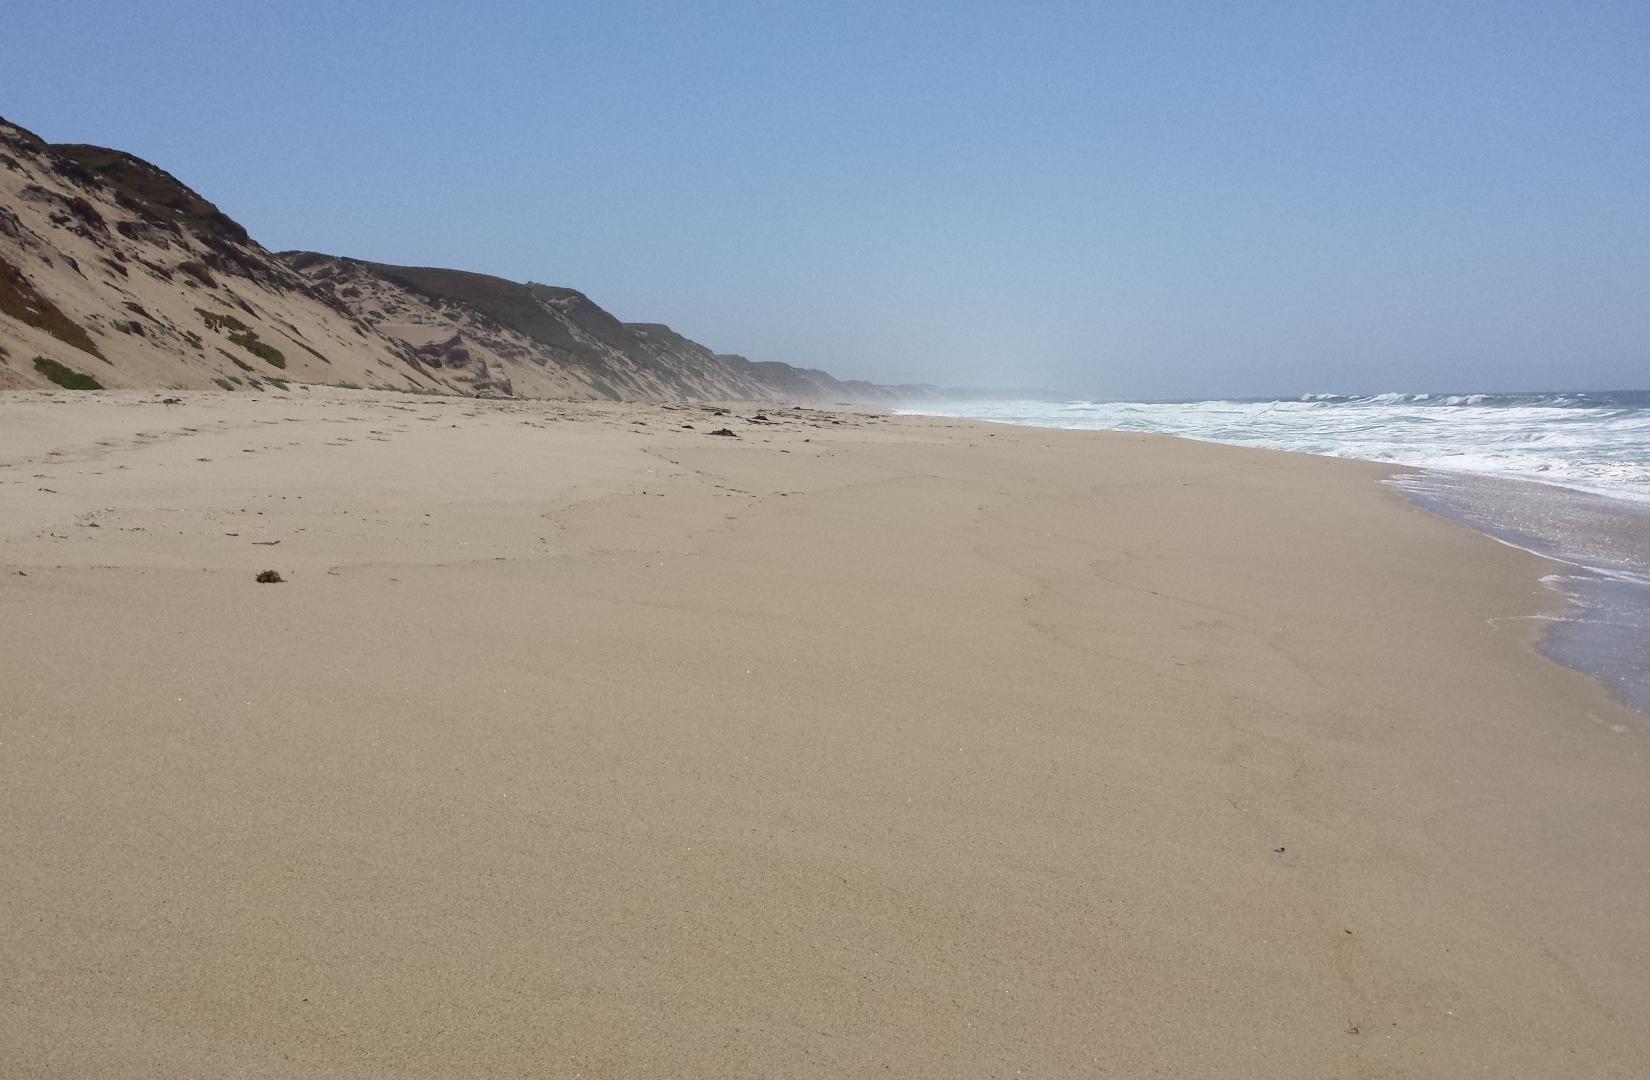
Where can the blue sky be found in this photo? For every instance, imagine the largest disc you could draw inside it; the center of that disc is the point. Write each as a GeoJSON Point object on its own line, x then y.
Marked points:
{"type": "Point", "coordinates": [1156, 199]}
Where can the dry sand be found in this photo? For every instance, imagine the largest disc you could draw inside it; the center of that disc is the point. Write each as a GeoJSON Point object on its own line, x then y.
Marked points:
{"type": "Point", "coordinates": [581, 744]}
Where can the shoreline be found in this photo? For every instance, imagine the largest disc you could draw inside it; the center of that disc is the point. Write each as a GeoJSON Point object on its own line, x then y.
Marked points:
{"type": "Point", "coordinates": [1602, 570]}
{"type": "Point", "coordinates": [578, 735]}
{"type": "Point", "coordinates": [1605, 576]}
{"type": "Point", "coordinates": [1582, 441]}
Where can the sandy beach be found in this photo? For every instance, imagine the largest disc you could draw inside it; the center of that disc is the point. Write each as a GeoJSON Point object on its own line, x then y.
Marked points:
{"type": "Point", "coordinates": [578, 741]}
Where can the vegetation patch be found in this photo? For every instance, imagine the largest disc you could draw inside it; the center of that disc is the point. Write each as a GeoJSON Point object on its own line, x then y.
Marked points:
{"type": "Point", "coordinates": [199, 272]}
{"type": "Point", "coordinates": [312, 352]}
{"type": "Point", "coordinates": [75, 172]}
{"type": "Point", "coordinates": [225, 383]}
{"type": "Point", "coordinates": [279, 384]}
{"type": "Point", "coordinates": [66, 377]}
{"type": "Point", "coordinates": [244, 336]}
{"type": "Point", "coordinates": [216, 320]}
{"type": "Point", "coordinates": [87, 213]}
{"type": "Point", "coordinates": [158, 195]}
{"type": "Point", "coordinates": [19, 299]}
{"type": "Point", "coordinates": [605, 390]}
{"type": "Point", "coordinates": [269, 354]}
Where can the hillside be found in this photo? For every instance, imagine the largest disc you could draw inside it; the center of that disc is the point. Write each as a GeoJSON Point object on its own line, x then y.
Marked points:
{"type": "Point", "coordinates": [113, 273]}
{"type": "Point", "coordinates": [535, 340]}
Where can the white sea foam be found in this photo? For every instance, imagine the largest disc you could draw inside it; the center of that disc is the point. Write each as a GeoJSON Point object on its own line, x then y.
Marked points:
{"type": "Point", "coordinates": [1591, 442]}
{"type": "Point", "coordinates": [1473, 449]}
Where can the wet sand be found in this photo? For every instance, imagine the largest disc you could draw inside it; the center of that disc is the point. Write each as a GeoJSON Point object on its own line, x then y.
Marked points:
{"type": "Point", "coordinates": [578, 742]}
{"type": "Point", "coordinates": [1599, 548]}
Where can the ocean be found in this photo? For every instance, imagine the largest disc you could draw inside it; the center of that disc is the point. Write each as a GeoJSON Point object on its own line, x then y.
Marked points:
{"type": "Point", "coordinates": [1565, 475]}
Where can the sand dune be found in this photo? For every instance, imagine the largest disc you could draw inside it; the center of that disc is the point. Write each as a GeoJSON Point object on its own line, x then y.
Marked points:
{"type": "Point", "coordinates": [114, 273]}
{"type": "Point", "coordinates": [579, 742]}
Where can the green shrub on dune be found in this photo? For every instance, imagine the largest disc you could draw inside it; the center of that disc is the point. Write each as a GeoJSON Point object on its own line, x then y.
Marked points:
{"type": "Point", "coordinates": [244, 336]}
{"type": "Point", "coordinates": [66, 377]}
{"type": "Point", "coordinates": [269, 354]}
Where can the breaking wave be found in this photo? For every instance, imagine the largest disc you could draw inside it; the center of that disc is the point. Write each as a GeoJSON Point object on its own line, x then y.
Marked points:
{"type": "Point", "coordinates": [1598, 442]}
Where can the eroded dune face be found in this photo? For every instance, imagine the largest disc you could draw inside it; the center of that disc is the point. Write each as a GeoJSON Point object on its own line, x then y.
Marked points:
{"type": "Point", "coordinates": [523, 339]}
{"type": "Point", "coordinates": [113, 269]}
{"type": "Point", "coordinates": [113, 273]}
{"type": "Point", "coordinates": [537, 340]}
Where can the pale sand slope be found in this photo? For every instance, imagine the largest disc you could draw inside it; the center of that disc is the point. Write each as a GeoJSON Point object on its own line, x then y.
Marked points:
{"type": "Point", "coordinates": [580, 747]}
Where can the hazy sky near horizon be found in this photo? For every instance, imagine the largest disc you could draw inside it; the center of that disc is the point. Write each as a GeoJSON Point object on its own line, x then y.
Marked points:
{"type": "Point", "coordinates": [1123, 200]}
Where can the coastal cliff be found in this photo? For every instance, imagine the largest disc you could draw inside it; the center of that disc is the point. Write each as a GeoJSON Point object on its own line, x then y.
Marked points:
{"type": "Point", "coordinates": [114, 273]}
